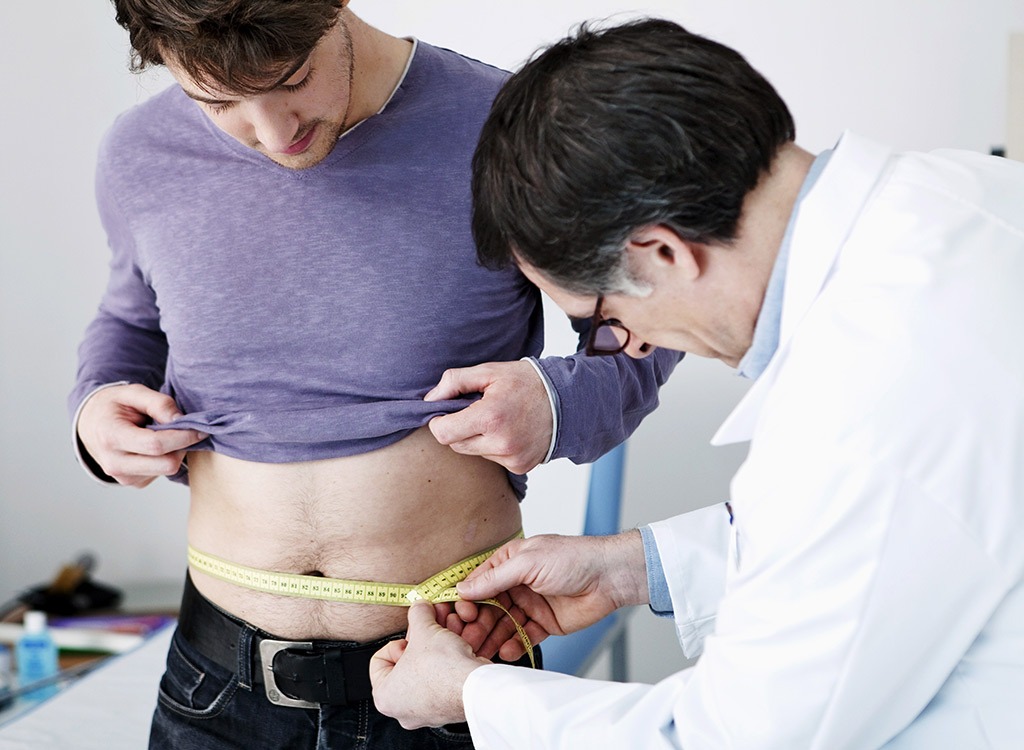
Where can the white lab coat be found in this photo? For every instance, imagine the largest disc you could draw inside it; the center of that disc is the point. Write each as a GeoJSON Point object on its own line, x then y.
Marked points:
{"type": "Point", "coordinates": [873, 575]}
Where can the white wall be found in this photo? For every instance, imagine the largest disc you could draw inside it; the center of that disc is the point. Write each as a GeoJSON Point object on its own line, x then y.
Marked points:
{"type": "Point", "coordinates": [914, 73]}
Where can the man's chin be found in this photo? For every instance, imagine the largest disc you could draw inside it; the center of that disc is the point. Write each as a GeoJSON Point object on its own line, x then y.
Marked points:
{"type": "Point", "coordinates": [305, 160]}
{"type": "Point", "coordinates": [315, 153]}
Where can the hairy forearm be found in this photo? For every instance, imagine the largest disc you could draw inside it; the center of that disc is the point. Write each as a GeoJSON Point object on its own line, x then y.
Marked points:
{"type": "Point", "coordinates": [626, 568]}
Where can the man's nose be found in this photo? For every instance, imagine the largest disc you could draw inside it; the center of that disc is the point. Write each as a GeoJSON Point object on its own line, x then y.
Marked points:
{"type": "Point", "coordinates": [275, 126]}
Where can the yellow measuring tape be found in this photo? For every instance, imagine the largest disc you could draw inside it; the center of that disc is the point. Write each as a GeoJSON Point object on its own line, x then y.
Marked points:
{"type": "Point", "coordinates": [437, 589]}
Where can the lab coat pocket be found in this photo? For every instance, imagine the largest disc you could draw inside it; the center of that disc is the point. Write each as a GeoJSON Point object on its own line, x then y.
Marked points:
{"type": "Point", "coordinates": [734, 544]}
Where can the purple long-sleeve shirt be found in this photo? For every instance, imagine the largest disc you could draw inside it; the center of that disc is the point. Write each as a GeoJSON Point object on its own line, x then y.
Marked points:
{"type": "Point", "coordinates": [299, 315]}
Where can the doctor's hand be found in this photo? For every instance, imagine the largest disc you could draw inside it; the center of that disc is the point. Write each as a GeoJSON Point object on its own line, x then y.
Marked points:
{"type": "Point", "coordinates": [111, 427]}
{"type": "Point", "coordinates": [418, 680]}
{"type": "Point", "coordinates": [511, 425]}
{"type": "Point", "coordinates": [561, 584]}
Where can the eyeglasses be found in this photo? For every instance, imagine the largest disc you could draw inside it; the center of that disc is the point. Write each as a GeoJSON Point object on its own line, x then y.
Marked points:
{"type": "Point", "coordinates": [606, 337]}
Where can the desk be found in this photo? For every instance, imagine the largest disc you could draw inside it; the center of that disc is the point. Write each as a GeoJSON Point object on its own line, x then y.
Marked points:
{"type": "Point", "coordinates": [108, 709]}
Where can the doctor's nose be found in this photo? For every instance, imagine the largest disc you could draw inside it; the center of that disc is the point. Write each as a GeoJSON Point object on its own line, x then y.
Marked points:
{"type": "Point", "coordinates": [639, 349]}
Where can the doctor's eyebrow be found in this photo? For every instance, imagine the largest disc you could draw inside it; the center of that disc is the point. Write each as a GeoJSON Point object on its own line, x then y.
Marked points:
{"type": "Point", "coordinates": [280, 82]}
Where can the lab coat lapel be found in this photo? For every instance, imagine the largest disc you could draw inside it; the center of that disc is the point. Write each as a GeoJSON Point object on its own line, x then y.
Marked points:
{"type": "Point", "coordinates": [826, 217]}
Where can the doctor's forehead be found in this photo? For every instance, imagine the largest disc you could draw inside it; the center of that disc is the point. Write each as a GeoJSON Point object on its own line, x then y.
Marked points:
{"type": "Point", "coordinates": [573, 305]}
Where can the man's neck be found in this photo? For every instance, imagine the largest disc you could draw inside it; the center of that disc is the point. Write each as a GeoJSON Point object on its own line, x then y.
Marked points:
{"type": "Point", "coordinates": [379, 60]}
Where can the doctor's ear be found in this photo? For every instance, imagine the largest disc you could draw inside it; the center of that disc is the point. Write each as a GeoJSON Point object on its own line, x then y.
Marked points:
{"type": "Point", "coordinates": [658, 247]}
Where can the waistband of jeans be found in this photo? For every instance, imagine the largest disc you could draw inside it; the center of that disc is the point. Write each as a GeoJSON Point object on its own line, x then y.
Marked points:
{"type": "Point", "coordinates": [313, 671]}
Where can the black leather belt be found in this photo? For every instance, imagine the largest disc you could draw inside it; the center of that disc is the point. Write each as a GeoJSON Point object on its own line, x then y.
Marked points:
{"type": "Point", "coordinates": [302, 674]}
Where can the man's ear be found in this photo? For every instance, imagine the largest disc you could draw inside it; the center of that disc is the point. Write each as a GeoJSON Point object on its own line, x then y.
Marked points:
{"type": "Point", "coordinates": [656, 249]}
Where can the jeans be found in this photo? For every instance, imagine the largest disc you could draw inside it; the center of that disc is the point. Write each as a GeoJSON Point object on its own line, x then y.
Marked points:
{"type": "Point", "coordinates": [205, 706]}
{"type": "Point", "coordinates": [202, 706]}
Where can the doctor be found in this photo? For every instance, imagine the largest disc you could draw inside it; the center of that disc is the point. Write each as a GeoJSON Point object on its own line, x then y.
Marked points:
{"type": "Point", "coordinates": [864, 586]}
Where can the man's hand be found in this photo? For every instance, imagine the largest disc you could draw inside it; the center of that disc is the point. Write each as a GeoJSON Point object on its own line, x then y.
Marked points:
{"type": "Point", "coordinates": [511, 425]}
{"type": "Point", "coordinates": [561, 584]}
{"type": "Point", "coordinates": [111, 427]}
{"type": "Point", "coordinates": [418, 680]}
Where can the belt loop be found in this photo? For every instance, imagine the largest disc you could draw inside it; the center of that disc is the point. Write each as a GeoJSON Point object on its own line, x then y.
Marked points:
{"type": "Point", "coordinates": [245, 646]}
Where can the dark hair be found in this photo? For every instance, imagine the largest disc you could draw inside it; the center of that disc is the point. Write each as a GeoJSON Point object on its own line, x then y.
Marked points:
{"type": "Point", "coordinates": [238, 45]}
{"type": "Point", "coordinates": [611, 130]}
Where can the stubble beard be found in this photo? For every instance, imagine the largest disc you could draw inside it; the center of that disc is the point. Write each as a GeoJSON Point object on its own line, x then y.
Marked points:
{"type": "Point", "coordinates": [329, 132]}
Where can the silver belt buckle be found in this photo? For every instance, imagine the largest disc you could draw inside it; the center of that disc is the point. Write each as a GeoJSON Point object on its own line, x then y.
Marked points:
{"type": "Point", "coordinates": [268, 650]}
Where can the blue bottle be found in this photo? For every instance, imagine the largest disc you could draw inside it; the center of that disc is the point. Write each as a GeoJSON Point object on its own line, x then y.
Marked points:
{"type": "Point", "coordinates": [36, 655]}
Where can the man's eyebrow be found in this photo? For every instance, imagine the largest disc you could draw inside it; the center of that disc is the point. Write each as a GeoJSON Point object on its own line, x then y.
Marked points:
{"type": "Point", "coordinates": [200, 98]}
{"type": "Point", "coordinates": [280, 82]}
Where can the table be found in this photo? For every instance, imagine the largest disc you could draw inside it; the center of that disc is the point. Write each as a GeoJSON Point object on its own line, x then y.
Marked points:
{"type": "Point", "coordinates": [107, 709]}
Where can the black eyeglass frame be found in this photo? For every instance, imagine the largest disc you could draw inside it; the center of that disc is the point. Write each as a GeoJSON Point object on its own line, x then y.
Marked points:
{"type": "Point", "coordinates": [591, 349]}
